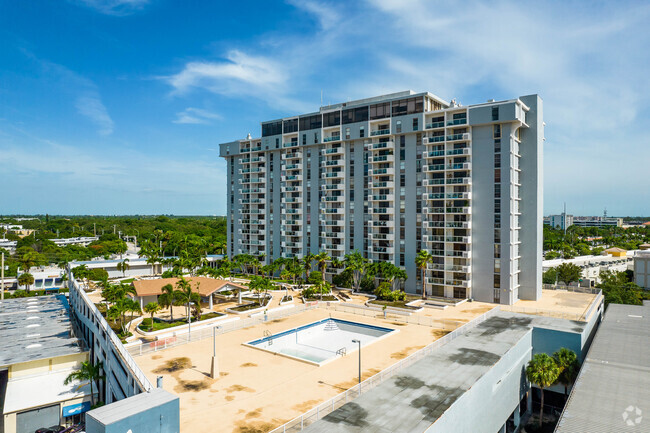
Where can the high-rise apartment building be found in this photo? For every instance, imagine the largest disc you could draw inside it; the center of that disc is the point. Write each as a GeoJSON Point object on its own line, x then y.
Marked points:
{"type": "Point", "coordinates": [395, 174]}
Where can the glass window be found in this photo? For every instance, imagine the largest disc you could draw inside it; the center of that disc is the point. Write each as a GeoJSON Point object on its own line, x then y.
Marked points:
{"type": "Point", "coordinates": [353, 115]}
{"type": "Point", "coordinates": [398, 126]}
{"type": "Point", "coordinates": [331, 119]}
{"type": "Point", "coordinates": [290, 126]}
{"type": "Point", "coordinates": [311, 122]}
{"type": "Point", "coordinates": [271, 128]}
{"type": "Point", "coordinates": [304, 139]}
{"type": "Point", "coordinates": [495, 113]}
{"type": "Point", "coordinates": [347, 133]}
{"type": "Point", "coordinates": [380, 111]}
{"type": "Point", "coordinates": [497, 131]}
{"type": "Point", "coordinates": [415, 124]}
{"type": "Point", "coordinates": [362, 132]}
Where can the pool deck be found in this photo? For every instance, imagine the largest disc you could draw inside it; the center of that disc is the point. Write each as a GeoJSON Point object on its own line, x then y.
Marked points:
{"type": "Point", "coordinates": [258, 390]}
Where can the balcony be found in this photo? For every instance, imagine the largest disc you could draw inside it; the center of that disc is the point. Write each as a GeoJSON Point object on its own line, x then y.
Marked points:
{"type": "Point", "coordinates": [432, 280]}
{"type": "Point", "coordinates": [290, 144]}
{"type": "Point", "coordinates": [332, 151]}
{"type": "Point", "coordinates": [458, 239]}
{"type": "Point", "coordinates": [381, 171]}
{"type": "Point", "coordinates": [381, 158]}
{"type": "Point", "coordinates": [333, 174]}
{"type": "Point", "coordinates": [333, 186]}
{"type": "Point", "coordinates": [292, 155]}
{"type": "Point", "coordinates": [434, 167]}
{"type": "Point", "coordinates": [293, 177]}
{"type": "Point", "coordinates": [433, 224]}
{"type": "Point", "coordinates": [458, 224]}
{"type": "Point", "coordinates": [459, 268]}
{"type": "Point", "coordinates": [433, 210]}
{"type": "Point", "coordinates": [433, 238]}
{"type": "Point", "coordinates": [332, 210]}
{"type": "Point", "coordinates": [433, 196]}
{"type": "Point", "coordinates": [459, 181]}
{"type": "Point", "coordinates": [383, 223]}
{"type": "Point", "coordinates": [380, 210]}
{"type": "Point", "coordinates": [433, 182]}
{"type": "Point", "coordinates": [290, 189]}
{"type": "Point", "coordinates": [434, 153]}
{"type": "Point", "coordinates": [459, 195]}
{"type": "Point", "coordinates": [464, 254]}
{"type": "Point", "coordinates": [292, 211]}
{"type": "Point", "coordinates": [461, 210]}
{"type": "Point", "coordinates": [333, 163]}
{"type": "Point", "coordinates": [460, 166]}
{"type": "Point", "coordinates": [379, 132]}
{"type": "Point", "coordinates": [332, 138]}
{"type": "Point", "coordinates": [435, 125]}
{"type": "Point", "coordinates": [456, 137]}
{"type": "Point", "coordinates": [462, 121]}
{"type": "Point", "coordinates": [458, 283]}
{"type": "Point", "coordinates": [332, 222]}
{"type": "Point", "coordinates": [382, 197]}
{"type": "Point", "coordinates": [383, 250]}
{"type": "Point", "coordinates": [385, 184]}
{"type": "Point", "coordinates": [435, 139]}
{"type": "Point", "coordinates": [463, 151]}
{"type": "Point", "coordinates": [379, 146]}
{"type": "Point", "coordinates": [337, 199]}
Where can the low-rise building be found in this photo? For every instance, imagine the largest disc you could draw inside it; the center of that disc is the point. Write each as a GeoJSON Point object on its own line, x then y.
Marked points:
{"type": "Point", "coordinates": [149, 290]}
{"type": "Point", "coordinates": [39, 351]}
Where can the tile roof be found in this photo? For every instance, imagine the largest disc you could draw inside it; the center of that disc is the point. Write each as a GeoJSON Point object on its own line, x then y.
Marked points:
{"type": "Point", "coordinates": [206, 286]}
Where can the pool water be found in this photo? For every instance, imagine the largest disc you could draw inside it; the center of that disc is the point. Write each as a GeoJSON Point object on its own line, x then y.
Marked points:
{"type": "Point", "coordinates": [322, 341]}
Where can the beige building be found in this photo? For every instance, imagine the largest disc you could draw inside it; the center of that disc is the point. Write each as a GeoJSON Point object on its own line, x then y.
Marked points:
{"type": "Point", "coordinates": [642, 269]}
{"type": "Point", "coordinates": [39, 351]}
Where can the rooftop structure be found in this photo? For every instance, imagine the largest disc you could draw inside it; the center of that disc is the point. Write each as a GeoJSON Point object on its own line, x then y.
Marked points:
{"type": "Point", "coordinates": [564, 221]}
{"type": "Point", "coordinates": [391, 175]}
{"type": "Point", "coordinates": [484, 365]}
{"type": "Point", "coordinates": [612, 392]}
{"type": "Point", "coordinates": [36, 328]}
{"type": "Point", "coordinates": [642, 269]}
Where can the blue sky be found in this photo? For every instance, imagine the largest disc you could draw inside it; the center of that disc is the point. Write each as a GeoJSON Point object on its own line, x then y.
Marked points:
{"type": "Point", "coordinates": [118, 106]}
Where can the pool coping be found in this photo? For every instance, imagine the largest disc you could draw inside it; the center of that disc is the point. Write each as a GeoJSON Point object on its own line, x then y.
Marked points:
{"type": "Point", "coordinates": [389, 332]}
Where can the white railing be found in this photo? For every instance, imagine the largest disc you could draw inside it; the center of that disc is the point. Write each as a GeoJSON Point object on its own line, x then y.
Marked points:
{"type": "Point", "coordinates": [299, 423]}
{"type": "Point", "coordinates": [396, 316]}
{"type": "Point", "coordinates": [219, 328]}
{"type": "Point", "coordinates": [576, 289]}
{"type": "Point", "coordinates": [127, 359]}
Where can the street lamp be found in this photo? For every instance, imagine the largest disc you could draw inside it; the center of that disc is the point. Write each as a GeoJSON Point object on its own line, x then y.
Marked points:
{"type": "Point", "coordinates": [189, 321]}
{"type": "Point", "coordinates": [359, 343]}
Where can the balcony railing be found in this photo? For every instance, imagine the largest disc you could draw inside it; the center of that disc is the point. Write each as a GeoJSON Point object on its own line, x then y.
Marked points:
{"type": "Point", "coordinates": [380, 132]}
{"type": "Point", "coordinates": [435, 125]}
{"type": "Point", "coordinates": [462, 121]}
{"type": "Point", "coordinates": [332, 138]}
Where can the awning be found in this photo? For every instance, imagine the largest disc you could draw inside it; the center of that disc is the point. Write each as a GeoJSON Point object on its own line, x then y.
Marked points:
{"type": "Point", "coordinates": [76, 409]}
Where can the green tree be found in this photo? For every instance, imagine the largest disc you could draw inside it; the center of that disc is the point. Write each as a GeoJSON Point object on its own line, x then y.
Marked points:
{"type": "Point", "coordinates": [567, 361]}
{"type": "Point", "coordinates": [307, 263]}
{"type": "Point", "coordinates": [322, 258]}
{"type": "Point", "coordinates": [187, 294]}
{"type": "Point", "coordinates": [26, 279]}
{"type": "Point", "coordinates": [568, 272]}
{"type": "Point", "coordinates": [87, 373]}
{"type": "Point", "coordinates": [543, 372]}
{"type": "Point", "coordinates": [422, 260]}
{"type": "Point", "coordinates": [550, 276]}
{"type": "Point", "coordinates": [151, 308]}
{"type": "Point", "coordinates": [260, 285]}
{"type": "Point", "coordinates": [618, 289]}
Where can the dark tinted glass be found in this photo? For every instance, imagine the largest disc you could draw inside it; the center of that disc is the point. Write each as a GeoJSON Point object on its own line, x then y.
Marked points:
{"type": "Point", "coordinates": [332, 119]}
{"type": "Point", "coordinates": [271, 128]}
{"type": "Point", "coordinates": [290, 125]}
{"type": "Point", "coordinates": [310, 122]}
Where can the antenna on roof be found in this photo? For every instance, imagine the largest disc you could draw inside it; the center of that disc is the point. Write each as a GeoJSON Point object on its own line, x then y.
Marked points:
{"type": "Point", "coordinates": [605, 213]}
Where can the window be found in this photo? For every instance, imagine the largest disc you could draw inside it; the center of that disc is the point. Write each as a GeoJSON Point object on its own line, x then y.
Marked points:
{"type": "Point", "coordinates": [304, 139]}
{"type": "Point", "coordinates": [380, 111]}
{"type": "Point", "coordinates": [347, 133]}
{"type": "Point", "coordinates": [398, 126]}
{"type": "Point", "coordinates": [408, 106]}
{"type": "Point", "coordinates": [497, 175]}
{"type": "Point", "coordinates": [290, 126]}
{"type": "Point", "coordinates": [277, 143]}
{"type": "Point", "coordinates": [315, 137]}
{"type": "Point", "coordinates": [311, 122]}
{"type": "Point", "coordinates": [353, 115]}
{"type": "Point", "coordinates": [332, 119]}
{"type": "Point", "coordinates": [271, 128]}
{"type": "Point", "coordinates": [362, 132]}
{"type": "Point", "coordinates": [415, 124]}
{"type": "Point", "coordinates": [497, 132]}
{"type": "Point", "coordinates": [495, 114]}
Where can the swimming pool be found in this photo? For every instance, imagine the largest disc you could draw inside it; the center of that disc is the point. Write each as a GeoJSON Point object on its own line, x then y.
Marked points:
{"type": "Point", "coordinates": [321, 342]}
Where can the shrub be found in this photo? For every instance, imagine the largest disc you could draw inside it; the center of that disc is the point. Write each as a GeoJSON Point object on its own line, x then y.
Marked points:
{"type": "Point", "coordinates": [367, 284]}
{"type": "Point", "coordinates": [97, 274]}
{"type": "Point", "coordinates": [309, 292]}
{"type": "Point", "coordinates": [344, 279]}
{"type": "Point", "coordinates": [315, 277]}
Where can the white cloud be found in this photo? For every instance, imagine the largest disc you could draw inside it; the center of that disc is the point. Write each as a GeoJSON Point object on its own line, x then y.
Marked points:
{"type": "Point", "coordinates": [115, 7]}
{"type": "Point", "coordinates": [325, 14]}
{"type": "Point", "coordinates": [193, 115]}
{"type": "Point", "coordinates": [91, 106]}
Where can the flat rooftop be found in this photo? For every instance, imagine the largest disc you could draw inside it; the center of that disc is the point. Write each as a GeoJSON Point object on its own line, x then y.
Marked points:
{"type": "Point", "coordinates": [259, 390]}
{"type": "Point", "coordinates": [36, 328]}
{"type": "Point", "coordinates": [612, 392]}
{"type": "Point", "coordinates": [416, 397]}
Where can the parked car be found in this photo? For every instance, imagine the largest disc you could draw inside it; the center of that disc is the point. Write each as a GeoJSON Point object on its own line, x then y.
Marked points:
{"type": "Point", "coordinates": [52, 429]}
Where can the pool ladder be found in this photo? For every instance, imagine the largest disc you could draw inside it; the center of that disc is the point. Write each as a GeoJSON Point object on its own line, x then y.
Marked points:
{"type": "Point", "coordinates": [267, 334]}
{"type": "Point", "coordinates": [342, 351]}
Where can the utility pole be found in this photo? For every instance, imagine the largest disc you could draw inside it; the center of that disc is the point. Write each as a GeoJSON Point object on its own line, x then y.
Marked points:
{"type": "Point", "coordinates": [95, 229]}
{"type": "Point", "coordinates": [2, 278]}
{"type": "Point", "coordinates": [113, 228]}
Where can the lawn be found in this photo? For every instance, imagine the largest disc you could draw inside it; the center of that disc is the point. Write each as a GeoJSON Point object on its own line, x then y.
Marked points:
{"type": "Point", "coordinates": [159, 324]}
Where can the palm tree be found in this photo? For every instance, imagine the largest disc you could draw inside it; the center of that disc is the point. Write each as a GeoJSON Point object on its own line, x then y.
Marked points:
{"type": "Point", "coordinates": [26, 279]}
{"type": "Point", "coordinates": [151, 308]}
{"type": "Point", "coordinates": [29, 260]}
{"type": "Point", "coordinates": [356, 263]}
{"type": "Point", "coordinates": [187, 295]}
{"type": "Point", "coordinates": [322, 258]}
{"type": "Point", "coordinates": [322, 287]}
{"type": "Point", "coordinates": [87, 372]}
{"type": "Point", "coordinates": [543, 371]}
{"type": "Point", "coordinates": [169, 298]}
{"type": "Point", "coordinates": [123, 266]}
{"type": "Point", "coordinates": [306, 263]}
{"type": "Point", "coordinates": [569, 365]}
{"type": "Point", "coordinates": [422, 259]}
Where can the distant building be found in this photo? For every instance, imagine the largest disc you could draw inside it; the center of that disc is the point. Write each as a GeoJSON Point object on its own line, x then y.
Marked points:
{"type": "Point", "coordinates": [563, 221]}
{"type": "Point", "coordinates": [642, 269]}
{"type": "Point", "coordinates": [616, 252]}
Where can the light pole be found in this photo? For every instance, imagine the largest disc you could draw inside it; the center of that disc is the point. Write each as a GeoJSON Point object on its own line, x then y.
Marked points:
{"type": "Point", "coordinates": [359, 343]}
{"type": "Point", "coordinates": [214, 367]}
{"type": "Point", "coordinates": [189, 321]}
